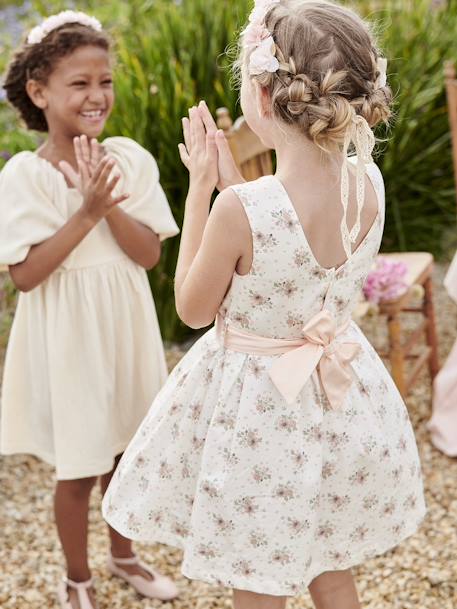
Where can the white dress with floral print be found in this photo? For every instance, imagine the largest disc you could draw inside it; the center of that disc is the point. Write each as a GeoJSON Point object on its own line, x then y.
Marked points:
{"type": "Point", "coordinates": [260, 495]}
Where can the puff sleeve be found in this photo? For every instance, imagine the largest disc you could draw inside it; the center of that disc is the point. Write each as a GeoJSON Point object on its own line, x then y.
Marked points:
{"type": "Point", "coordinates": [140, 179]}
{"type": "Point", "coordinates": [28, 215]}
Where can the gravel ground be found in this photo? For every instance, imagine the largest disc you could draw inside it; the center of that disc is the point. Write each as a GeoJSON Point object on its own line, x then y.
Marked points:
{"type": "Point", "coordinates": [420, 574]}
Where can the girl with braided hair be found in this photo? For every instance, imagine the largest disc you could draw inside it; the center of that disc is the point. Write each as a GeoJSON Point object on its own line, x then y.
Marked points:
{"type": "Point", "coordinates": [279, 453]}
{"type": "Point", "coordinates": [79, 224]}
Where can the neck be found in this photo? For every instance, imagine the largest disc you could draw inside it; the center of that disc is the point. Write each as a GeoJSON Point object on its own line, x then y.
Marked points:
{"type": "Point", "coordinates": [58, 147]}
{"type": "Point", "coordinates": [297, 155]}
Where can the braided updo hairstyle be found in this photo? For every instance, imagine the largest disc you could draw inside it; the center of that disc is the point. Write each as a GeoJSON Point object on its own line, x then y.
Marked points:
{"type": "Point", "coordinates": [328, 70]}
{"type": "Point", "coordinates": [37, 61]}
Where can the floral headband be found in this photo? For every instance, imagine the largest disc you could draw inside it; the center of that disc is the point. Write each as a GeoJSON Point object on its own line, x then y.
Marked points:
{"type": "Point", "coordinates": [55, 21]}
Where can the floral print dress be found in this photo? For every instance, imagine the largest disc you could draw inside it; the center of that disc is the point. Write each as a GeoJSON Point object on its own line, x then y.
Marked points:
{"type": "Point", "coordinates": [262, 495]}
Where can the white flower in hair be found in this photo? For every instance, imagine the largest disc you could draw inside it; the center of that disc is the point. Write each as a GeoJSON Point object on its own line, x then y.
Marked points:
{"type": "Point", "coordinates": [381, 65]}
{"type": "Point", "coordinates": [257, 37]}
{"type": "Point", "coordinates": [263, 58]}
{"type": "Point", "coordinates": [55, 21]}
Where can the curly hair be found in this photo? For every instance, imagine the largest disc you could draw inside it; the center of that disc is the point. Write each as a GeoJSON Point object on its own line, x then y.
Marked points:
{"type": "Point", "coordinates": [328, 70]}
{"type": "Point", "coordinates": [37, 61]}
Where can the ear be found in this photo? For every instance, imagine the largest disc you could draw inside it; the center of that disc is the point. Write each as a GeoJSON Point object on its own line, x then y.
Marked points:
{"type": "Point", "coordinates": [263, 101]}
{"type": "Point", "coordinates": [36, 91]}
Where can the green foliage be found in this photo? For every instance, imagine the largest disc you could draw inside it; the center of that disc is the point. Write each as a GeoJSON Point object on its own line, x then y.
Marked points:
{"type": "Point", "coordinates": [416, 160]}
{"type": "Point", "coordinates": [178, 59]}
{"type": "Point", "coordinates": [171, 54]}
{"type": "Point", "coordinates": [7, 307]}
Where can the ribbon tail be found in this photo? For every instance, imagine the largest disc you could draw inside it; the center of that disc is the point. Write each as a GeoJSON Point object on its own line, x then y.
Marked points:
{"type": "Point", "coordinates": [291, 371]}
{"type": "Point", "coordinates": [336, 374]}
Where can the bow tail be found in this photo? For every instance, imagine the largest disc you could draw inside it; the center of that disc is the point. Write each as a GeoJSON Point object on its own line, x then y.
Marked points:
{"type": "Point", "coordinates": [291, 371]}
{"type": "Point", "coordinates": [336, 374]}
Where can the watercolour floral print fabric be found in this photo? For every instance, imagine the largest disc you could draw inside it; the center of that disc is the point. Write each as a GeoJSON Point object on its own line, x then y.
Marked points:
{"type": "Point", "coordinates": [221, 453]}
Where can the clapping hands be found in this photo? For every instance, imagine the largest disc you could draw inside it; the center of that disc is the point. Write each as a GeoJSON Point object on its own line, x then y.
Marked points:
{"type": "Point", "coordinates": [94, 178]}
{"type": "Point", "coordinates": [206, 153]}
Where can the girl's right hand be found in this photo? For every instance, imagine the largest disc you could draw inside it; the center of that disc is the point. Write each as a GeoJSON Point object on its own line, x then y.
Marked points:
{"type": "Point", "coordinates": [229, 174]}
{"type": "Point", "coordinates": [93, 179]}
{"type": "Point", "coordinates": [97, 190]}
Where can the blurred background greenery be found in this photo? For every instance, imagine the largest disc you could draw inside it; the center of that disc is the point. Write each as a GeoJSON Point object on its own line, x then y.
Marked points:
{"type": "Point", "coordinates": [172, 53]}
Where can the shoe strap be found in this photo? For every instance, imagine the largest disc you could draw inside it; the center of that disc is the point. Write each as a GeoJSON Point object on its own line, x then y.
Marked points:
{"type": "Point", "coordinates": [132, 560]}
{"type": "Point", "coordinates": [81, 590]}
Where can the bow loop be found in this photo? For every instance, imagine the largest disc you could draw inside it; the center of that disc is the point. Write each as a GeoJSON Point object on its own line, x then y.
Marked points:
{"type": "Point", "coordinates": [321, 350]}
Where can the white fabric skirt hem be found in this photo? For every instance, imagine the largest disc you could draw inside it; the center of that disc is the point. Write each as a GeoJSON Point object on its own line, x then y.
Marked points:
{"type": "Point", "coordinates": [90, 470]}
{"type": "Point", "coordinates": [273, 588]}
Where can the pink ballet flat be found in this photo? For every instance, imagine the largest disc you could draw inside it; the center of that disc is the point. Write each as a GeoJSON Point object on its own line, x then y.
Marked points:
{"type": "Point", "coordinates": [81, 589]}
{"type": "Point", "coordinates": [161, 587]}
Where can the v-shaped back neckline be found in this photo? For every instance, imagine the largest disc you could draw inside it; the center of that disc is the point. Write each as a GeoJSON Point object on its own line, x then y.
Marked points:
{"type": "Point", "coordinates": [339, 268]}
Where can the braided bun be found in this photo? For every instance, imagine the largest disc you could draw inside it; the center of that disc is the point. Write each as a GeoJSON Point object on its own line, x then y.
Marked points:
{"type": "Point", "coordinates": [328, 70]}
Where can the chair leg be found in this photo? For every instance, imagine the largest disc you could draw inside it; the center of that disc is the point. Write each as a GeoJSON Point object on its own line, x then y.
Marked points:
{"type": "Point", "coordinates": [432, 340]}
{"type": "Point", "coordinates": [396, 353]}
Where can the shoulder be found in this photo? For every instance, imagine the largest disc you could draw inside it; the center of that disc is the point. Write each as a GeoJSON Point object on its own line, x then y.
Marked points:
{"type": "Point", "coordinates": [228, 214]}
{"type": "Point", "coordinates": [26, 169]}
{"type": "Point", "coordinates": [21, 162]}
{"type": "Point", "coordinates": [254, 193]}
{"type": "Point", "coordinates": [373, 171]}
{"type": "Point", "coordinates": [375, 176]}
{"type": "Point", "coordinates": [130, 153]}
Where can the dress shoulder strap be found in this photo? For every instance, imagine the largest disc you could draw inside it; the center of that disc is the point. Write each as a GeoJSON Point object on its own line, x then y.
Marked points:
{"type": "Point", "coordinates": [260, 202]}
{"type": "Point", "coordinates": [264, 206]}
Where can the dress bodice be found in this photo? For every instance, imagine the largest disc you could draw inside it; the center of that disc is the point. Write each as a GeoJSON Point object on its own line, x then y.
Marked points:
{"type": "Point", "coordinates": [286, 286]}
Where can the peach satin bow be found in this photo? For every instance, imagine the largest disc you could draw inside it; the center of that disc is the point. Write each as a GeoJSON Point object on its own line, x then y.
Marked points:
{"type": "Point", "coordinates": [300, 357]}
{"type": "Point", "coordinates": [320, 350]}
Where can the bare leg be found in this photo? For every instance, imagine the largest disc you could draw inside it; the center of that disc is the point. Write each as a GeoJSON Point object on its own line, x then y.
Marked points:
{"type": "Point", "coordinates": [250, 600]}
{"type": "Point", "coordinates": [121, 547]}
{"type": "Point", "coordinates": [334, 590]}
{"type": "Point", "coordinates": [71, 508]}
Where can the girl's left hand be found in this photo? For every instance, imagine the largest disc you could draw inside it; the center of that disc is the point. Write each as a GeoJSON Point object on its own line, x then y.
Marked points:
{"type": "Point", "coordinates": [199, 152]}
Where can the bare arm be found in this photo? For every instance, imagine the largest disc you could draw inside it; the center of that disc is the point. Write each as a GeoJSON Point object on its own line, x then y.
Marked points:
{"type": "Point", "coordinates": [137, 240]}
{"type": "Point", "coordinates": [44, 258]}
{"type": "Point", "coordinates": [211, 248]}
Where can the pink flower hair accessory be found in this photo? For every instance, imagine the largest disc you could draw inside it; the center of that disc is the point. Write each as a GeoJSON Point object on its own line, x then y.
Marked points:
{"type": "Point", "coordinates": [259, 40]}
{"type": "Point", "coordinates": [386, 281]}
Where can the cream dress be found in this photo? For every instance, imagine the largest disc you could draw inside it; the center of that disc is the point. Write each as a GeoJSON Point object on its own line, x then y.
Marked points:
{"type": "Point", "coordinates": [443, 424]}
{"type": "Point", "coordinates": [262, 494]}
{"type": "Point", "coordinates": [85, 356]}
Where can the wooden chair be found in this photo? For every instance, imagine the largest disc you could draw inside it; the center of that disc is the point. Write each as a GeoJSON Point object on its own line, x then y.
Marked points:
{"type": "Point", "coordinates": [252, 157]}
{"type": "Point", "coordinates": [255, 160]}
{"type": "Point", "coordinates": [450, 79]}
{"type": "Point", "coordinates": [403, 350]}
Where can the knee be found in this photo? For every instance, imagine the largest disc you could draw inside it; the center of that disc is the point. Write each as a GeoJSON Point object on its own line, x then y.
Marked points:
{"type": "Point", "coordinates": [332, 583]}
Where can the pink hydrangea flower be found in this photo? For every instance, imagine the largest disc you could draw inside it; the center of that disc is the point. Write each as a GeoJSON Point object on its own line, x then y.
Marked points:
{"type": "Point", "coordinates": [386, 282]}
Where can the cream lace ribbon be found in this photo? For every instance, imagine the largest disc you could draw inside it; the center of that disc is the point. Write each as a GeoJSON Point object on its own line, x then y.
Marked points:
{"type": "Point", "coordinates": [361, 135]}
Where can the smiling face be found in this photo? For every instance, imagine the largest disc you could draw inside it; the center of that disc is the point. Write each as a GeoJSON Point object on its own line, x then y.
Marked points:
{"type": "Point", "coordinates": [78, 96]}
